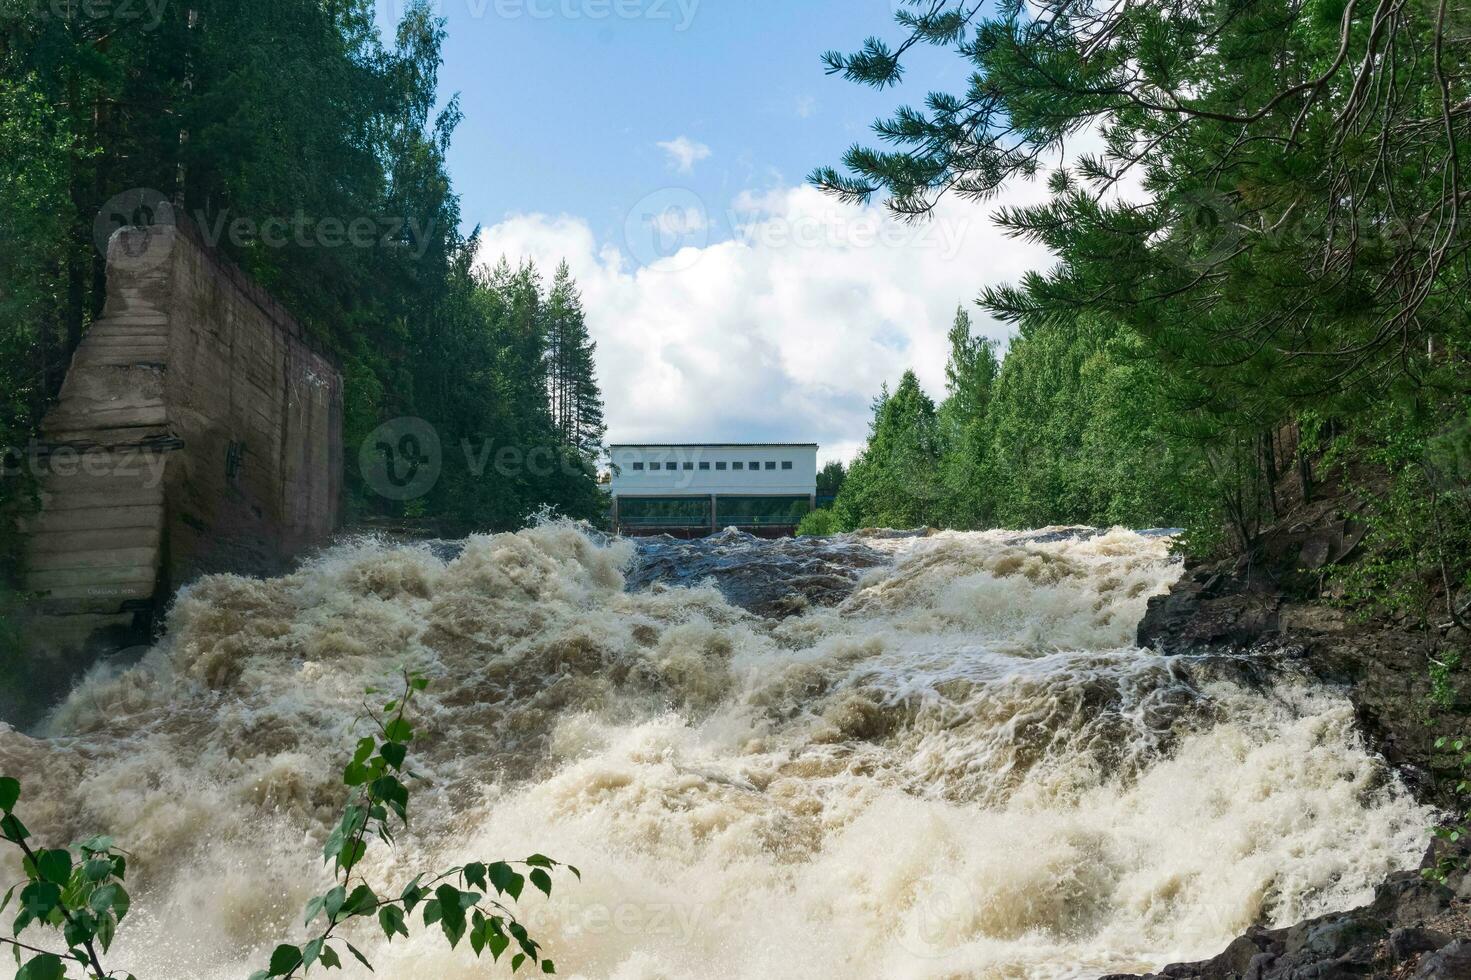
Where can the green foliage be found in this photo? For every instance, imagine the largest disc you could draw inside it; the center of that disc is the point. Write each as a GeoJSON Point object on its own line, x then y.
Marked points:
{"type": "Point", "coordinates": [38, 212]}
{"type": "Point", "coordinates": [488, 384]}
{"type": "Point", "coordinates": [1457, 830]}
{"type": "Point", "coordinates": [1082, 431]}
{"type": "Point", "coordinates": [819, 523]}
{"type": "Point", "coordinates": [1418, 509]}
{"type": "Point", "coordinates": [970, 382]}
{"type": "Point", "coordinates": [576, 402]}
{"type": "Point", "coordinates": [298, 115]}
{"type": "Point", "coordinates": [830, 478]}
{"type": "Point", "coordinates": [1075, 426]}
{"type": "Point", "coordinates": [79, 892]}
{"type": "Point", "coordinates": [1297, 247]}
{"type": "Point", "coordinates": [895, 482]}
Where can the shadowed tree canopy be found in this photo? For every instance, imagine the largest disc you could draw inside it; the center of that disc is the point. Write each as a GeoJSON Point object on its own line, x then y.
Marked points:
{"type": "Point", "coordinates": [1259, 214]}
{"type": "Point", "coordinates": [311, 150]}
{"type": "Point", "coordinates": [1293, 227]}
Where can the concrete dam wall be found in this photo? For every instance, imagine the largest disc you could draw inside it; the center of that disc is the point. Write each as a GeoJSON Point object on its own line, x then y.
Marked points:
{"type": "Point", "coordinates": [197, 431]}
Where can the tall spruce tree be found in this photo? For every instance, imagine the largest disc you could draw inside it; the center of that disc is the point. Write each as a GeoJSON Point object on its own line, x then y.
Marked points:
{"type": "Point", "coordinates": [576, 400]}
{"type": "Point", "coordinates": [895, 481]}
{"type": "Point", "coordinates": [970, 376]}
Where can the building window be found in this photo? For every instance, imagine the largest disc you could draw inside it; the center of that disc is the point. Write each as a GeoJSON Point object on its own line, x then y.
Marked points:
{"type": "Point", "coordinates": [671, 466]}
{"type": "Point", "coordinates": [638, 466]}
{"type": "Point", "coordinates": [704, 466]}
{"type": "Point", "coordinates": [755, 465]}
{"type": "Point", "coordinates": [689, 466]}
{"type": "Point", "coordinates": [786, 464]}
{"type": "Point", "coordinates": [720, 466]}
{"type": "Point", "coordinates": [771, 465]}
{"type": "Point", "coordinates": [739, 466]}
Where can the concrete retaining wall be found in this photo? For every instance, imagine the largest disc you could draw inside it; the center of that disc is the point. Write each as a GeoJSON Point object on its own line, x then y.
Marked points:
{"type": "Point", "coordinates": [197, 431]}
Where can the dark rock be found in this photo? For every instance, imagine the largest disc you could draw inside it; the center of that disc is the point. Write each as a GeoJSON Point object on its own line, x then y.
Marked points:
{"type": "Point", "coordinates": [1230, 965]}
{"type": "Point", "coordinates": [1451, 962]}
{"type": "Point", "coordinates": [1332, 937]}
{"type": "Point", "coordinates": [1259, 965]}
{"type": "Point", "coordinates": [1265, 614]}
{"type": "Point", "coordinates": [1406, 944]}
{"type": "Point", "coordinates": [1409, 899]}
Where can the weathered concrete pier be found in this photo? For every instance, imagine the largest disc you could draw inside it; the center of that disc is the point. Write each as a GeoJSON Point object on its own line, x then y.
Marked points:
{"type": "Point", "coordinates": [198, 430]}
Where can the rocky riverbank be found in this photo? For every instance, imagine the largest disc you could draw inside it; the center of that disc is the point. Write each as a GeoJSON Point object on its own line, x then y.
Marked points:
{"type": "Point", "coordinates": [1272, 607]}
{"type": "Point", "coordinates": [1414, 928]}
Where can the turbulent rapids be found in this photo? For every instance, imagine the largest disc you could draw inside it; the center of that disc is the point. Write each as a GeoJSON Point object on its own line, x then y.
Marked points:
{"type": "Point", "coordinates": [875, 756]}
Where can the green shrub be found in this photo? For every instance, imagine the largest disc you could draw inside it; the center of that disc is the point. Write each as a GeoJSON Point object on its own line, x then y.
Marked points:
{"type": "Point", "coordinates": [817, 524]}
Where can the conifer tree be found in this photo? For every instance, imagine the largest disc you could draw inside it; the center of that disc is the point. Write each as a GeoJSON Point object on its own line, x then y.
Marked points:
{"type": "Point", "coordinates": [1292, 253]}
{"type": "Point", "coordinates": [970, 376]}
{"type": "Point", "coordinates": [895, 482]}
{"type": "Point", "coordinates": [577, 402]}
{"type": "Point", "coordinates": [295, 112]}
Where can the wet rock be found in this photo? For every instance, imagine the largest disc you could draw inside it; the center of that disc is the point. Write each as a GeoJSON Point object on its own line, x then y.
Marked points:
{"type": "Point", "coordinates": [1406, 944]}
{"type": "Point", "coordinates": [1266, 610]}
{"type": "Point", "coordinates": [1409, 899]}
{"type": "Point", "coordinates": [1451, 962]}
{"type": "Point", "coordinates": [1328, 939]}
{"type": "Point", "coordinates": [769, 578]}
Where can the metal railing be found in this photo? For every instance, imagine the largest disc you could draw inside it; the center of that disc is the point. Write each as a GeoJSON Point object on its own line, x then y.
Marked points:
{"type": "Point", "coordinates": [781, 521]}
{"type": "Point", "coordinates": [785, 520]}
{"type": "Point", "coordinates": [664, 521]}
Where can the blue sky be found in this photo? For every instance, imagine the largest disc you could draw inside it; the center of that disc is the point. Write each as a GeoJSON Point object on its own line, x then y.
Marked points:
{"type": "Point", "coordinates": [662, 148]}
{"type": "Point", "coordinates": [566, 102]}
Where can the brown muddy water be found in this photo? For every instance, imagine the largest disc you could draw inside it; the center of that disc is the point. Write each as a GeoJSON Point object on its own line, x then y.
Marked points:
{"type": "Point", "coordinates": [879, 756]}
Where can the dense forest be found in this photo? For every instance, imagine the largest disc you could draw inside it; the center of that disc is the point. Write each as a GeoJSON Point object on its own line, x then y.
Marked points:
{"type": "Point", "coordinates": [1290, 256]}
{"type": "Point", "coordinates": [187, 101]}
{"type": "Point", "coordinates": [1060, 431]}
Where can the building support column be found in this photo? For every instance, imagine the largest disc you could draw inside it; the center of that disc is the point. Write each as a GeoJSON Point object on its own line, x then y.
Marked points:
{"type": "Point", "coordinates": [714, 515]}
{"type": "Point", "coordinates": [616, 528]}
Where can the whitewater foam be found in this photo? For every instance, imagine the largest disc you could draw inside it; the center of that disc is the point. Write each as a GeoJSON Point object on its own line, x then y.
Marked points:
{"type": "Point", "coordinates": [951, 763]}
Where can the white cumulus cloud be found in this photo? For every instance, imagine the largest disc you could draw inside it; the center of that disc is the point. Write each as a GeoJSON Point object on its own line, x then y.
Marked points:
{"type": "Point", "coordinates": [684, 153]}
{"type": "Point", "coordinates": [787, 329]}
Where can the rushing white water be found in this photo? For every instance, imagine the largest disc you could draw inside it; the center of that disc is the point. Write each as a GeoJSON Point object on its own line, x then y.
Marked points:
{"type": "Point", "coordinates": [962, 769]}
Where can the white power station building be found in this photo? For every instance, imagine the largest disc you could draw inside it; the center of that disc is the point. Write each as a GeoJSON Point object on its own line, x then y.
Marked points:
{"type": "Point", "coordinates": [697, 488]}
